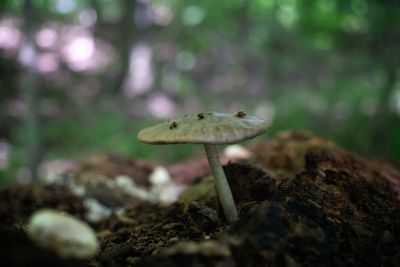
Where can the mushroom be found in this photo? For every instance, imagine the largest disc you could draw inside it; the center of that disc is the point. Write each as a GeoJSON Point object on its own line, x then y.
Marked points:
{"type": "Point", "coordinates": [209, 129]}
{"type": "Point", "coordinates": [63, 233]}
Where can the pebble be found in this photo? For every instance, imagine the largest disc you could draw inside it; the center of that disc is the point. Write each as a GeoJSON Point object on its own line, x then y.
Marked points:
{"type": "Point", "coordinates": [63, 233]}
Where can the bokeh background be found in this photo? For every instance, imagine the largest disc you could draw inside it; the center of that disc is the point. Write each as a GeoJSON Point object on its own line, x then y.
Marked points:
{"type": "Point", "coordinates": [80, 77]}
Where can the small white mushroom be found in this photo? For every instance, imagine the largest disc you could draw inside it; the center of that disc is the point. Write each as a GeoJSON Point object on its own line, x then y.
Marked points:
{"type": "Point", "coordinates": [165, 190]}
{"type": "Point", "coordinates": [237, 152]}
{"type": "Point", "coordinates": [63, 233]}
{"type": "Point", "coordinates": [159, 176]}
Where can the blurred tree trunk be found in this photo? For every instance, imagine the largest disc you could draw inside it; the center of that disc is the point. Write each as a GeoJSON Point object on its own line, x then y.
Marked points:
{"type": "Point", "coordinates": [99, 12]}
{"type": "Point", "coordinates": [29, 88]}
{"type": "Point", "coordinates": [384, 51]}
{"type": "Point", "coordinates": [387, 89]}
{"type": "Point", "coordinates": [380, 135]}
{"type": "Point", "coordinates": [124, 43]}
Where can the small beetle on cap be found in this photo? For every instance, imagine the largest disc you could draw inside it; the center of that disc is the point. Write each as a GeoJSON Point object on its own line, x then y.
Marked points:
{"type": "Point", "coordinates": [209, 129]}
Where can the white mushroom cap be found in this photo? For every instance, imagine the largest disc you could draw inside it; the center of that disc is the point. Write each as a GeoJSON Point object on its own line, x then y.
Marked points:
{"type": "Point", "coordinates": [205, 128]}
{"type": "Point", "coordinates": [65, 234]}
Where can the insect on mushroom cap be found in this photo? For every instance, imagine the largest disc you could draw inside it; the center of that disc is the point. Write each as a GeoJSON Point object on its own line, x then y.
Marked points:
{"type": "Point", "coordinates": [205, 128]}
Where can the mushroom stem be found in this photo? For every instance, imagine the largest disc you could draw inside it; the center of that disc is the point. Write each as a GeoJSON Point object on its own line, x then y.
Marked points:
{"type": "Point", "coordinates": [224, 191]}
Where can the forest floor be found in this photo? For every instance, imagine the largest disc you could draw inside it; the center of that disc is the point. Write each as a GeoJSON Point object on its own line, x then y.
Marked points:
{"type": "Point", "coordinates": [302, 200]}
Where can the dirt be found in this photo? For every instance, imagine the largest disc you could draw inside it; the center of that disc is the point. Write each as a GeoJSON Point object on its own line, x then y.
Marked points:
{"type": "Point", "coordinates": [19, 202]}
{"type": "Point", "coordinates": [302, 201]}
{"type": "Point", "coordinates": [112, 166]}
